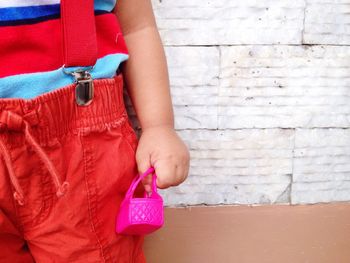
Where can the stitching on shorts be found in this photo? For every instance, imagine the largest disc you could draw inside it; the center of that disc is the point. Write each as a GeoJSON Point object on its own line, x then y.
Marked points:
{"type": "Point", "coordinates": [46, 197]}
{"type": "Point", "coordinates": [115, 122]}
{"type": "Point", "coordinates": [89, 195]}
{"type": "Point", "coordinates": [18, 222]}
{"type": "Point", "coordinates": [47, 193]}
{"type": "Point", "coordinates": [130, 136]}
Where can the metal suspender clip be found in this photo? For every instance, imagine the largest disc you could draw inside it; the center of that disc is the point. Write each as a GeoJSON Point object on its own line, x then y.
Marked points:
{"type": "Point", "coordinates": [84, 90]}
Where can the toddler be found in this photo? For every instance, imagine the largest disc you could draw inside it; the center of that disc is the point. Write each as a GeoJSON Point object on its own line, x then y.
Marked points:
{"type": "Point", "coordinates": [69, 152]}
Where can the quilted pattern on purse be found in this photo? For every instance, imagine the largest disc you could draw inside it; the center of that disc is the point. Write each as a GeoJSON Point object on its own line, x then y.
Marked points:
{"type": "Point", "coordinates": [142, 212]}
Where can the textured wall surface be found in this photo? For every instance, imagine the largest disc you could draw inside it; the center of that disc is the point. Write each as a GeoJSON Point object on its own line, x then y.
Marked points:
{"type": "Point", "coordinates": [261, 92]}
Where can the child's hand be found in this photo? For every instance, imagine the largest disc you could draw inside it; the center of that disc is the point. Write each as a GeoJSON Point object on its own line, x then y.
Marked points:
{"type": "Point", "coordinates": [163, 149]}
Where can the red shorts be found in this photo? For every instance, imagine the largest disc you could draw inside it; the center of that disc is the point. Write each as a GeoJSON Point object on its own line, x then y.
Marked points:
{"type": "Point", "coordinates": [64, 172]}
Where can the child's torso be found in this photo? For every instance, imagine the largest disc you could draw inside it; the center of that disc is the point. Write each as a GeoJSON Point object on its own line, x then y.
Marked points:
{"type": "Point", "coordinates": [31, 46]}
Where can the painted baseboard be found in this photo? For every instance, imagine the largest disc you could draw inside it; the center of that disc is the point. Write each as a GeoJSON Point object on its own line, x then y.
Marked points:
{"type": "Point", "coordinates": [255, 234]}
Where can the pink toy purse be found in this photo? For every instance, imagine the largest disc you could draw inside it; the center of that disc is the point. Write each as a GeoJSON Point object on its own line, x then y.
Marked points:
{"type": "Point", "coordinates": [141, 216]}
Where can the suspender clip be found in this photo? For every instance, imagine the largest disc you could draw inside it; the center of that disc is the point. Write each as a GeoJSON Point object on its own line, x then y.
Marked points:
{"type": "Point", "coordinates": [84, 89]}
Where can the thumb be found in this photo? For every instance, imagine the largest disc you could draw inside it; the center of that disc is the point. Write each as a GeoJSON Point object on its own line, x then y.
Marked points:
{"type": "Point", "coordinates": [142, 165]}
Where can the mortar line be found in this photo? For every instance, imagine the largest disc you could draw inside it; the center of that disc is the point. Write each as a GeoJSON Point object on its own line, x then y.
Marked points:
{"type": "Point", "coordinates": [256, 44]}
{"type": "Point", "coordinates": [304, 18]}
{"type": "Point", "coordinates": [293, 163]}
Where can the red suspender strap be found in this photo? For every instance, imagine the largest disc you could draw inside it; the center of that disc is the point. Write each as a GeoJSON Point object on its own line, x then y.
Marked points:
{"type": "Point", "coordinates": [79, 32]}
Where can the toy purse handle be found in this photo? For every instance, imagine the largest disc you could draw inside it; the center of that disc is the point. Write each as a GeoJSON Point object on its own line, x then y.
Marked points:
{"type": "Point", "coordinates": [137, 180]}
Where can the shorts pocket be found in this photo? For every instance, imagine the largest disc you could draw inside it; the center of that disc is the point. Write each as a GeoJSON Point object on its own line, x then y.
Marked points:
{"type": "Point", "coordinates": [110, 155]}
{"type": "Point", "coordinates": [110, 166]}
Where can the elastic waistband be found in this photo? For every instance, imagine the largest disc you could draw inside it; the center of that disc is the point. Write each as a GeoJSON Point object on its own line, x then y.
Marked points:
{"type": "Point", "coordinates": [56, 113]}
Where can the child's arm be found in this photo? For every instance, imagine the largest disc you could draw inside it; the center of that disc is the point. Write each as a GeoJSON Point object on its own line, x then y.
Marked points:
{"type": "Point", "coordinates": [147, 80]}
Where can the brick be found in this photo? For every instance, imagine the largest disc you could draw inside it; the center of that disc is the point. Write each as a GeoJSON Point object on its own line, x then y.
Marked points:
{"type": "Point", "coordinates": [284, 86]}
{"type": "Point", "coordinates": [327, 22]}
{"type": "Point", "coordinates": [236, 167]}
{"type": "Point", "coordinates": [224, 22]}
{"type": "Point", "coordinates": [321, 170]}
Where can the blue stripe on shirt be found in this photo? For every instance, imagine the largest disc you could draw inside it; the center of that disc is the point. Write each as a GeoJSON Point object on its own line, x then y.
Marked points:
{"type": "Point", "coordinates": [39, 19]}
{"type": "Point", "coordinates": [30, 85]}
{"type": "Point", "coordinates": [28, 12]}
{"type": "Point", "coordinates": [8, 14]}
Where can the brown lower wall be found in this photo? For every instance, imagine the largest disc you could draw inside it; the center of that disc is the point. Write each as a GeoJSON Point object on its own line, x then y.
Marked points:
{"type": "Point", "coordinates": [239, 234]}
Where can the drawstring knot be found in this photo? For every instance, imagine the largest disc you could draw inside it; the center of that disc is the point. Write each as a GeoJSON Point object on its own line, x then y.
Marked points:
{"type": "Point", "coordinates": [62, 189]}
{"type": "Point", "coordinates": [12, 121]}
{"type": "Point", "coordinates": [19, 198]}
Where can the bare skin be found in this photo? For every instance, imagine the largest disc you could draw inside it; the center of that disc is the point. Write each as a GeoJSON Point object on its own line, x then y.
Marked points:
{"type": "Point", "coordinates": [146, 75]}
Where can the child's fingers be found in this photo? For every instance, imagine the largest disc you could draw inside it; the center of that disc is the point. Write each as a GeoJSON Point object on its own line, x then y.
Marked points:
{"type": "Point", "coordinates": [142, 166]}
{"type": "Point", "coordinates": [147, 183]}
{"type": "Point", "coordinates": [181, 173]}
{"type": "Point", "coordinates": [165, 174]}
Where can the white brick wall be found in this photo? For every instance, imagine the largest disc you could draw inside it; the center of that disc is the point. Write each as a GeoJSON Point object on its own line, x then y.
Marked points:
{"type": "Point", "coordinates": [321, 165]}
{"type": "Point", "coordinates": [227, 22]}
{"type": "Point", "coordinates": [327, 22]}
{"type": "Point", "coordinates": [284, 87]}
{"type": "Point", "coordinates": [261, 92]}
